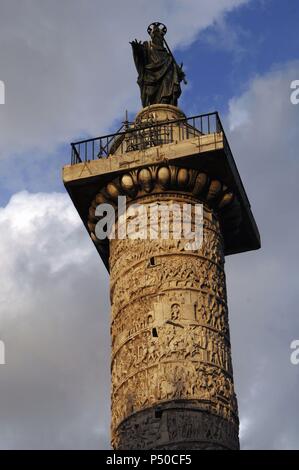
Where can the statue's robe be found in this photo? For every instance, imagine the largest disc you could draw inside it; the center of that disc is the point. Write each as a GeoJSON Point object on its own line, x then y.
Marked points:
{"type": "Point", "coordinates": [158, 74]}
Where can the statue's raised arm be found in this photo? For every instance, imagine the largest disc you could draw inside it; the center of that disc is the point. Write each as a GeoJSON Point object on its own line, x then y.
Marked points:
{"type": "Point", "coordinates": [138, 55]}
{"type": "Point", "coordinates": [159, 76]}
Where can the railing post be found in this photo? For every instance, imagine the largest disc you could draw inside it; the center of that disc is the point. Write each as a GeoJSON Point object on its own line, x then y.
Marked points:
{"type": "Point", "coordinates": [218, 123]}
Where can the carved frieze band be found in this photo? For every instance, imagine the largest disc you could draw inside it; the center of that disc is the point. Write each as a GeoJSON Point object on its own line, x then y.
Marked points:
{"type": "Point", "coordinates": [170, 332]}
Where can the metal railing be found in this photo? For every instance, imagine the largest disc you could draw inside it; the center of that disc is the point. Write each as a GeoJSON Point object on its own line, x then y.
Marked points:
{"type": "Point", "coordinates": [142, 135]}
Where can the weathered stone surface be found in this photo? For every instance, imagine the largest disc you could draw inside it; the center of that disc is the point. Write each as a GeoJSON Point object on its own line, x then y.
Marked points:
{"type": "Point", "coordinates": [172, 384]}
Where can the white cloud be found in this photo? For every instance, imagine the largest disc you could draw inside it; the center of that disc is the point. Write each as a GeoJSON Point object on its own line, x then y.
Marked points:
{"type": "Point", "coordinates": [238, 113]}
{"type": "Point", "coordinates": [62, 62]}
{"type": "Point", "coordinates": [54, 319]}
{"type": "Point", "coordinates": [39, 234]}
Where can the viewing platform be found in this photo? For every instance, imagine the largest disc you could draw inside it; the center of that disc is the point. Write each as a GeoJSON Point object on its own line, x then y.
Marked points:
{"type": "Point", "coordinates": [162, 134]}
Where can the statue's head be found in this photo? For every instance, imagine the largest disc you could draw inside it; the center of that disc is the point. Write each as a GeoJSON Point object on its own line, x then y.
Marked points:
{"type": "Point", "coordinates": [157, 31]}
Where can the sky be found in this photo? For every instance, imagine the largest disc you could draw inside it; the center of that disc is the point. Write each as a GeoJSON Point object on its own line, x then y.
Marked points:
{"type": "Point", "coordinates": [68, 73]}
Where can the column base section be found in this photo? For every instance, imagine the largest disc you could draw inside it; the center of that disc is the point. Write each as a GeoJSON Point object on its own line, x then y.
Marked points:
{"type": "Point", "coordinates": [175, 426]}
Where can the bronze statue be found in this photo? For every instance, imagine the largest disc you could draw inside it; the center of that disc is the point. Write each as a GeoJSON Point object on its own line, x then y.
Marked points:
{"type": "Point", "coordinates": [159, 76]}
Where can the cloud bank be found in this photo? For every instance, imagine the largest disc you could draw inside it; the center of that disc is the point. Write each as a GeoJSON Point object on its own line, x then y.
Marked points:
{"type": "Point", "coordinates": [54, 321]}
{"type": "Point", "coordinates": [263, 285]}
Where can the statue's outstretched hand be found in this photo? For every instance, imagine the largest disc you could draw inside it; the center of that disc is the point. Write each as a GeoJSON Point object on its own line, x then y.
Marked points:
{"type": "Point", "coordinates": [136, 43]}
{"type": "Point", "coordinates": [181, 73]}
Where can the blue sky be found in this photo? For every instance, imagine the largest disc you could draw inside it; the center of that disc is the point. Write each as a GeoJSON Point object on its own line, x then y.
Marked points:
{"type": "Point", "coordinates": [249, 41]}
{"type": "Point", "coordinates": [69, 72]}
